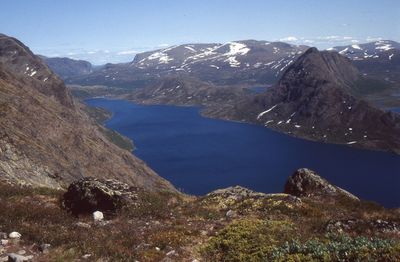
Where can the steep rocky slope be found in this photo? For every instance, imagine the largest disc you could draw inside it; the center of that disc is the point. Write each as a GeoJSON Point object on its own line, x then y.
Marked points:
{"type": "Point", "coordinates": [45, 137]}
{"type": "Point", "coordinates": [314, 100]}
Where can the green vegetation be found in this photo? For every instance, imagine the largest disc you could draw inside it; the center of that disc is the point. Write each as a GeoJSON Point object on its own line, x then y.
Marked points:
{"type": "Point", "coordinates": [338, 248]}
{"type": "Point", "coordinates": [118, 139]}
{"type": "Point", "coordinates": [257, 240]}
{"type": "Point", "coordinates": [97, 113]}
{"type": "Point", "coordinates": [247, 240]}
{"type": "Point", "coordinates": [100, 115]}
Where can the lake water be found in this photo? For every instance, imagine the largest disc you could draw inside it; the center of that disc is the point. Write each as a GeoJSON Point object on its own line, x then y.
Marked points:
{"type": "Point", "coordinates": [199, 155]}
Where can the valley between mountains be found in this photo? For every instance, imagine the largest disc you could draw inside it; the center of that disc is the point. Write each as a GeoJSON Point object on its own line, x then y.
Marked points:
{"type": "Point", "coordinates": [339, 97]}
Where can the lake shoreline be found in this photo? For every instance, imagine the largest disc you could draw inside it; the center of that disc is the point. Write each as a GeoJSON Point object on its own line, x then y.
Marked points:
{"type": "Point", "coordinates": [169, 159]}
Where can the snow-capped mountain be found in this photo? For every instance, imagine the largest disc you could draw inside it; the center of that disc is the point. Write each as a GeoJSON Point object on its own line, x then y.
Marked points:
{"type": "Point", "coordinates": [368, 50]}
{"type": "Point", "coordinates": [239, 62]}
{"type": "Point", "coordinates": [254, 54]}
{"type": "Point", "coordinates": [378, 60]}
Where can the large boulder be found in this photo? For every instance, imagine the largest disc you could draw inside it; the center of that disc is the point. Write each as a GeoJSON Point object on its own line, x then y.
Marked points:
{"type": "Point", "coordinates": [91, 194]}
{"type": "Point", "coordinates": [306, 183]}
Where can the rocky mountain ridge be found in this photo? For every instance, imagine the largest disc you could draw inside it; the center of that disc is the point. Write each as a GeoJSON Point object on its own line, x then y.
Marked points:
{"type": "Point", "coordinates": [46, 139]}
{"type": "Point", "coordinates": [314, 100]}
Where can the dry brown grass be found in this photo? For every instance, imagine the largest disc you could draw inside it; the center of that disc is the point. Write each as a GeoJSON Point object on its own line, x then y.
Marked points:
{"type": "Point", "coordinates": [159, 223]}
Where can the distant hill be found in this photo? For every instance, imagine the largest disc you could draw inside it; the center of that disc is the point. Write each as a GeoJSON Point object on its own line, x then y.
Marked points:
{"type": "Point", "coordinates": [379, 63]}
{"type": "Point", "coordinates": [66, 67]}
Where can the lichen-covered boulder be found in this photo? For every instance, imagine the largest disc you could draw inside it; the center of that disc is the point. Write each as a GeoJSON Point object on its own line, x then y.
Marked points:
{"type": "Point", "coordinates": [306, 183]}
{"type": "Point", "coordinates": [236, 193]}
{"type": "Point", "coordinates": [91, 194]}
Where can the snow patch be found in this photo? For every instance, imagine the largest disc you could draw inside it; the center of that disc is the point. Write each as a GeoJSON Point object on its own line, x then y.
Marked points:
{"type": "Point", "coordinates": [384, 47]}
{"type": "Point", "coordinates": [237, 49]}
{"type": "Point", "coordinates": [266, 111]}
{"type": "Point", "coordinates": [190, 48]}
{"type": "Point", "coordinates": [162, 57]}
{"type": "Point", "coordinates": [344, 51]}
{"type": "Point", "coordinates": [356, 47]}
{"type": "Point", "coordinates": [233, 62]}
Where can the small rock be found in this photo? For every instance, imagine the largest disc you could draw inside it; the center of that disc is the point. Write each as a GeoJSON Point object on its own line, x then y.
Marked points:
{"type": "Point", "coordinates": [98, 216]}
{"type": "Point", "coordinates": [45, 248]}
{"type": "Point", "coordinates": [14, 235]}
{"type": "Point", "coordinates": [158, 249]}
{"type": "Point", "coordinates": [12, 257]}
{"type": "Point", "coordinates": [102, 223]}
{"type": "Point", "coordinates": [86, 256]}
{"type": "Point", "coordinates": [171, 253]}
{"type": "Point", "coordinates": [21, 252]}
{"type": "Point", "coordinates": [4, 242]}
{"type": "Point", "coordinates": [203, 232]}
{"type": "Point", "coordinates": [195, 260]}
{"type": "Point", "coordinates": [83, 225]}
{"type": "Point", "coordinates": [230, 213]}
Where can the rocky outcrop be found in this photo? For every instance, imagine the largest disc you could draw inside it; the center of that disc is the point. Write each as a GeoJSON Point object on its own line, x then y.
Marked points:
{"type": "Point", "coordinates": [236, 193]}
{"type": "Point", "coordinates": [306, 183]}
{"type": "Point", "coordinates": [231, 200]}
{"type": "Point", "coordinates": [19, 60]}
{"type": "Point", "coordinates": [90, 194]}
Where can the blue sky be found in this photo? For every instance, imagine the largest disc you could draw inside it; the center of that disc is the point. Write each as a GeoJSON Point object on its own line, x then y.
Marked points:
{"type": "Point", "coordinates": [112, 31]}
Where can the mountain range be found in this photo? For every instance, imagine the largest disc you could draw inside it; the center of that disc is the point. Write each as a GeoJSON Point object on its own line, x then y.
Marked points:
{"type": "Point", "coordinates": [336, 100]}
{"type": "Point", "coordinates": [246, 62]}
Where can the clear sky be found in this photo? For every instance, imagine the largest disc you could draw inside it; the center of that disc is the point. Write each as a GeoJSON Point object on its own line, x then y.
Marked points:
{"type": "Point", "coordinates": [114, 30]}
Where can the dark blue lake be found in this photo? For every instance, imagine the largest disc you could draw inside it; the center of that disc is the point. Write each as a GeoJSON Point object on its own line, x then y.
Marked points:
{"type": "Point", "coordinates": [198, 154]}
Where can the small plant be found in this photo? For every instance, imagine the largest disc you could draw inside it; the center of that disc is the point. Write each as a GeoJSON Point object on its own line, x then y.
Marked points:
{"type": "Point", "coordinates": [247, 240]}
{"type": "Point", "coordinates": [339, 248]}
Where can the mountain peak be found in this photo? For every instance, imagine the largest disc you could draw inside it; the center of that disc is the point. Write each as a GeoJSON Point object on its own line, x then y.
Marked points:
{"type": "Point", "coordinates": [22, 63]}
